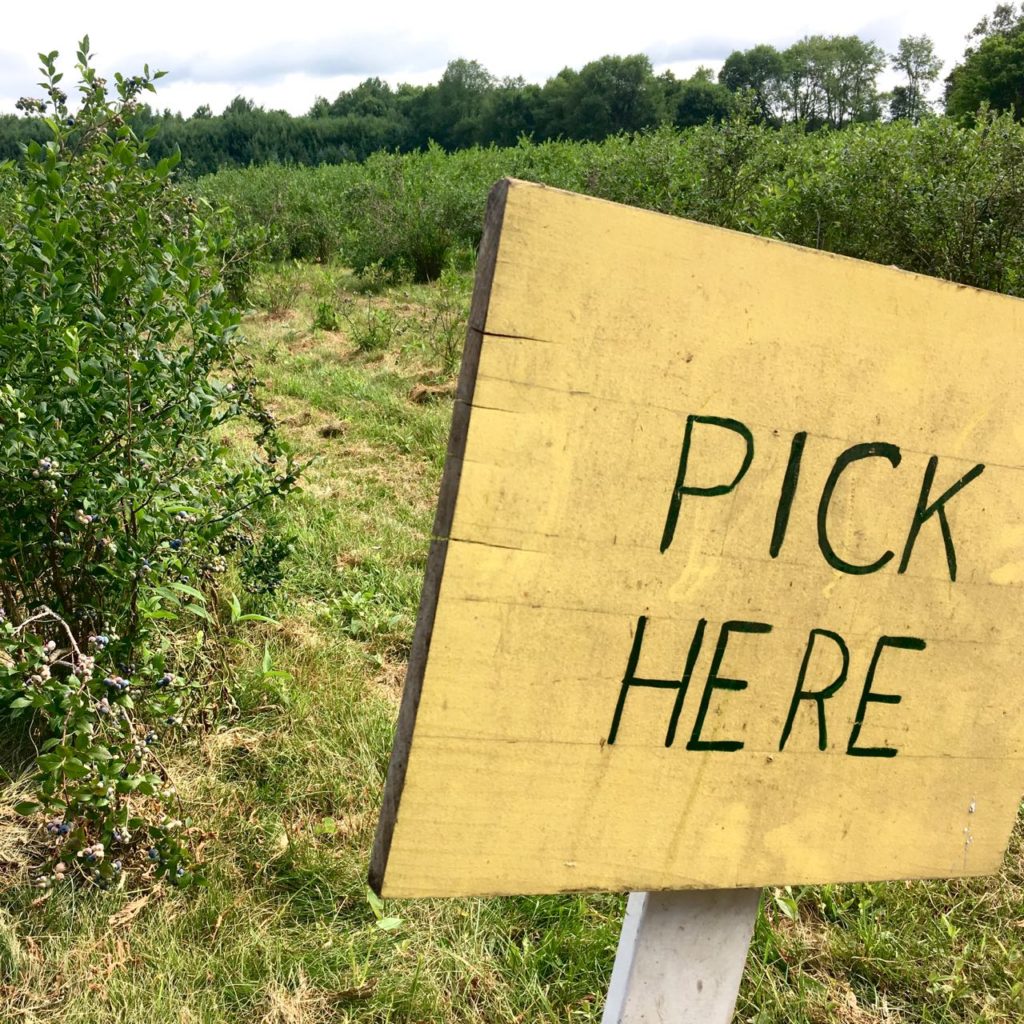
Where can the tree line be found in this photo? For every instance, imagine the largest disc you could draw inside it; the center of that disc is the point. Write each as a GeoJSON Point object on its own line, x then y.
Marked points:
{"type": "Point", "coordinates": [818, 82]}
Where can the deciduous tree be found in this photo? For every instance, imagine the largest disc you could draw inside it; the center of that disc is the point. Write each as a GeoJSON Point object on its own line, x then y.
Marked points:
{"type": "Point", "coordinates": [915, 57]}
{"type": "Point", "coordinates": [992, 71]}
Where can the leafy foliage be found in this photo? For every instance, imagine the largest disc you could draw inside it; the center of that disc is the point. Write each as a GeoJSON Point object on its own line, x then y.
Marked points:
{"type": "Point", "coordinates": [992, 72]}
{"type": "Point", "coordinates": [119, 357]}
{"type": "Point", "coordinates": [819, 81]}
{"type": "Point", "coordinates": [939, 197]}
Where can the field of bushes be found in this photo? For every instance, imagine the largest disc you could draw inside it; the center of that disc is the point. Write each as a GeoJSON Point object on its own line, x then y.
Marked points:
{"type": "Point", "coordinates": [937, 198]}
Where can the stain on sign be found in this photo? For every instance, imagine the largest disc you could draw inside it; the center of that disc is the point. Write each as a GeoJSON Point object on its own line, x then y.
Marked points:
{"type": "Point", "coordinates": [725, 589]}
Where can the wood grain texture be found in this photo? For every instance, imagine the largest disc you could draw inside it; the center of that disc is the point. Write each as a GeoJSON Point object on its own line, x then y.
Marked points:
{"type": "Point", "coordinates": [486, 259]}
{"type": "Point", "coordinates": [603, 329]}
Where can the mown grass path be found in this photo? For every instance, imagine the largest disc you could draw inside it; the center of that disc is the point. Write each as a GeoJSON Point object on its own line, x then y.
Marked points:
{"type": "Point", "coordinates": [285, 795]}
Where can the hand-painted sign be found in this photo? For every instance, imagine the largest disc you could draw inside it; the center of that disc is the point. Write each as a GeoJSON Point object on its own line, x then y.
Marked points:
{"type": "Point", "coordinates": [727, 576]}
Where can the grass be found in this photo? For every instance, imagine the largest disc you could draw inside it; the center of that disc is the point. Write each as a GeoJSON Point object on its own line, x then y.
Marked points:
{"type": "Point", "coordinates": [285, 796]}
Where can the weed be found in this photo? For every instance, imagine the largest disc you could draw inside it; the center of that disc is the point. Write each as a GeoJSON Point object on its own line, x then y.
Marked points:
{"type": "Point", "coordinates": [277, 289]}
{"type": "Point", "coordinates": [447, 329]}
{"type": "Point", "coordinates": [372, 328]}
{"type": "Point", "coordinates": [325, 318]}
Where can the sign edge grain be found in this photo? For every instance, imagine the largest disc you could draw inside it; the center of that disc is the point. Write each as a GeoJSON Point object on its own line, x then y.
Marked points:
{"type": "Point", "coordinates": [448, 494]}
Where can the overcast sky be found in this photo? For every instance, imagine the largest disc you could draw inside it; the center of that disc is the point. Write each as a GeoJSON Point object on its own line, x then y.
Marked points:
{"type": "Point", "coordinates": [285, 55]}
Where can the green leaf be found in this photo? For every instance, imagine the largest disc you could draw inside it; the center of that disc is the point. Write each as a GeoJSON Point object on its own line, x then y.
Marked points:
{"type": "Point", "coordinates": [200, 611]}
{"type": "Point", "coordinates": [27, 807]}
{"type": "Point", "coordinates": [376, 903]}
{"type": "Point", "coordinates": [787, 903]}
{"type": "Point", "coordinates": [74, 769]}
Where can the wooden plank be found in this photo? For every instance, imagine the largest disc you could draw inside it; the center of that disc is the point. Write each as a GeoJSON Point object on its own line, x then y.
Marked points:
{"type": "Point", "coordinates": [681, 956]}
{"type": "Point", "coordinates": [606, 331]}
{"type": "Point", "coordinates": [486, 259]}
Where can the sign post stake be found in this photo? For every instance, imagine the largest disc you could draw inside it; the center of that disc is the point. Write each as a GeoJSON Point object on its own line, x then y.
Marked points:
{"type": "Point", "coordinates": [681, 957]}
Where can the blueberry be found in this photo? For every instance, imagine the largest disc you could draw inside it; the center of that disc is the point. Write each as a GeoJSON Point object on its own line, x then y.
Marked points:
{"type": "Point", "coordinates": [153, 853]}
{"type": "Point", "coordinates": [176, 544]}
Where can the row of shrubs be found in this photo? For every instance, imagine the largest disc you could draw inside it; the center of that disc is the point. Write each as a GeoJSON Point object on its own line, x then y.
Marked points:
{"type": "Point", "coordinates": [937, 198]}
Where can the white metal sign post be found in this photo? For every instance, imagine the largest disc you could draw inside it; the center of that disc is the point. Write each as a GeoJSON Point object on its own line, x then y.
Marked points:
{"type": "Point", "coordinates": [681, 956]}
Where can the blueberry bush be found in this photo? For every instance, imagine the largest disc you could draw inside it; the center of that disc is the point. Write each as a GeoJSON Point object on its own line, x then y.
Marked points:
{"type": "Point", "coordinates": [137, 458]}
{"type": "Point", "coordinates": [939, 197]}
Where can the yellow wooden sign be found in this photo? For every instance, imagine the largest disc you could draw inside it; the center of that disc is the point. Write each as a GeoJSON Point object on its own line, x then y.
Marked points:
{"type": "Point", "coordinates": [726, 584]}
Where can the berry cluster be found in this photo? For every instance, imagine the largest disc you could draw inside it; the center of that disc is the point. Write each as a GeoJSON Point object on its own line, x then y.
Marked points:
{"type": "Point", "coordinates": [40, 676]}
{"type": "Point", "coordinates": [92, 854]}
{"type": "Point", "coordinates": [118, 683]}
